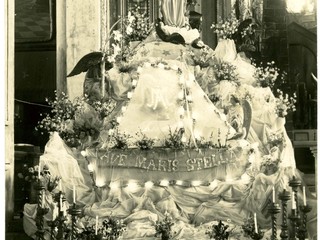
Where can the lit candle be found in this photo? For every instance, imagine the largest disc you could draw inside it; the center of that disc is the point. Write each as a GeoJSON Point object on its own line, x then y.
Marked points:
{"type": "Point", "coordinates": [60, 185]}
{"type": "Point", "coordinates": [273, 195]}
{"type": "Point", "coordinates": [97, 219]}
{"type": "Point", "coordinates": [293, 202]}
{"type": "Point", "coordinates": [74, 194]}
{"type": "Point", "coordinates": [304, 196]}
{"type": "Point", "coordinates": [255, 223]}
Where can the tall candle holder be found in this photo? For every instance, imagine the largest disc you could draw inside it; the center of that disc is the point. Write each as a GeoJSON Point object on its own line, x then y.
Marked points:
{"type": "Point", "coordinates": [274, 209]}
{"type": "Point", "coordinates": [294, 218]}
{"type": "Point", "coordinates": [60, 199]}
{"type": "Point", "coordinates": [41, 211]}
{"type": "Point", "coordinates": [294, 183]}
{"type": "Point", "coordinates": [302, 232]}
{"type": "Point", "coordinates": [74, 211]}
{"type": "Point", "coordinates": [284, 197]}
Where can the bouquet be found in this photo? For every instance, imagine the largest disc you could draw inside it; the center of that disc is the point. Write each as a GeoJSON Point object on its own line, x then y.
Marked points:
{"type": "Point", "coordinates": [266, 76]}
{"type": "Point", "coordinates": [226, 29]}
{"type": "Point", "coordinates": [225, 71]}
{"type": "Point", "coordinates": [218, 232]}
{"type": "Point", "coordinates": [270, 162]}
{"type": "Point", "coordinates": [163, 228]}
{"type": "Point", "coordinates": [78, 122]}
{"type": "Point", "coordinates": [137, 25]}
{"type": "Point", "coordinates": [112, 228]}
{"type": "Point", "coordinates": [284, 103]}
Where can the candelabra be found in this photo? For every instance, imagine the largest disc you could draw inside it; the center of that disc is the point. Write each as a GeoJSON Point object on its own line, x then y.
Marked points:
{"type": "Point", "coordinates": [41, 211]}
{"type": "Point", "coordinates": [74, 211]}
{"type": "Point", "coordinates": [274, 209]}
{"type": "Point", "coordinates": [303, 226]}
{"type": "Point", "coordinates": [284, 197]}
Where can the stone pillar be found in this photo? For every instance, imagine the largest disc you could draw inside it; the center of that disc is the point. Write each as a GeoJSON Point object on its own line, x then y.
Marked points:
{"type": "Point", "coordinates": [78, 33]}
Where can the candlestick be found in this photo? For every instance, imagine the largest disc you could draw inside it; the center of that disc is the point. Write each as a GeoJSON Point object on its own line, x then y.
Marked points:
{"type": "Point", "coordinates": [75, 212]}
{"type": "Point", "coordinates": [274, 209]}
{"type": "Point", "coordinates": [284, 197]}
{"type": "Point", "coordinates": [273, 195]}
{"type": "Point", "coordinates": [304, 196]}
{"type": "Point", "coordinates": [302, 231]}
{"type": "Point", "coordinates": [255, 223]}
{"type": "Point", "coordinates": [97, 219]}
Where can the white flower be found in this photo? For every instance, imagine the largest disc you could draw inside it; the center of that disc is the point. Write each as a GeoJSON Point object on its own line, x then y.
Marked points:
{"type": "Point", "coordinates": [117, 35]}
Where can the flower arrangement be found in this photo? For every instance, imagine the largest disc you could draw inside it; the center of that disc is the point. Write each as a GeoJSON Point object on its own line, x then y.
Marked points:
{"type": "Point", "coordinates": [218, 232]}
{"type": "Point", "coordinates": [284, 103]}
{"type": "Point", "coordinates": [270, 162]}
{"type": "Point", "coordinates": [225, 29]}
{"type": "Point", "coordinates": [119, 140]}
{"type": "Point", "coordinates": [249, 229]}
{"type": "Point", "coordinates": [275, 139]}
{"type": "Point", "coordinates": [30, 175]}
{"type": "Point", "coordinates": [163, 228]}
{"type": "Point", "coordinates": [176, 139]}
{"type": "Point", "coordinates": [225, 71]}
{"type": "Point", "coordinates": [78, 122]}
{"type": "Point", "coordinates": [266, 76]}
{"type": "Point", "coordinates": [144, 142]}
{"type": "Point", "coordinates": [112, 228]}
{"type": "Point", "coordinates": [137, 25]}
{"type": "Point", "coordinates": [204, 57]}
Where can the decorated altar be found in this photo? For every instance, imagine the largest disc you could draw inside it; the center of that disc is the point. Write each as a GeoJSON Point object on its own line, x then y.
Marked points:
{"type": "Point", "coordinates": [171, 138]}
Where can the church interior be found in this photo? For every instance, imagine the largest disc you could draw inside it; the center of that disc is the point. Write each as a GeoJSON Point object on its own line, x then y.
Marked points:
{"type": "Point", "coordinates": [46, 41]}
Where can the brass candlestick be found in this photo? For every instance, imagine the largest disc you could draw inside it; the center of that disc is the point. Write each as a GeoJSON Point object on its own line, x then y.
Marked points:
{"type": "Point", "coordinates": [274, 209]}
{"type": "Point", "coordinates": [284, 197]}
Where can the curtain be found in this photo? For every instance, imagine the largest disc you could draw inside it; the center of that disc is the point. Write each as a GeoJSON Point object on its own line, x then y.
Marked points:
{"type": "Point", "coordinates": [173, 12]}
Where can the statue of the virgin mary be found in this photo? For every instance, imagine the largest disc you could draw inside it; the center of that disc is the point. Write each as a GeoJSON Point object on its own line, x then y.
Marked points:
{"type": "Point", "coordinates": [164, 95]}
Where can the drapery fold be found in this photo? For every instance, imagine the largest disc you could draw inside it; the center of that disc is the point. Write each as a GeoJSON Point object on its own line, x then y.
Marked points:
{"type": "Point", "coordinates": [173, 12]}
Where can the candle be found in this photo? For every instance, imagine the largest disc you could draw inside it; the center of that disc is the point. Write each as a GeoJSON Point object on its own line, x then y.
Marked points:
{"type": "Point", "coordinates": [60, 185]}
{"type": "Point", "coordinates": [74, 194]}
{"type": "Point", "coordinates": [255, 223]}
{"type": "Point", "coordinates": [97, 218]}
{"type": "Point", "coordinates": [304, 196]}
{"type": "Point", "coordinates": [293, 202]}
{"type": "Point", "coordinates": [273, 195]}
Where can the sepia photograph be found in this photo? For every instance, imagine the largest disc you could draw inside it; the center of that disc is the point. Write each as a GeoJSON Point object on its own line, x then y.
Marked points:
{"type": "Point", "coordinates": [160, 119]}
